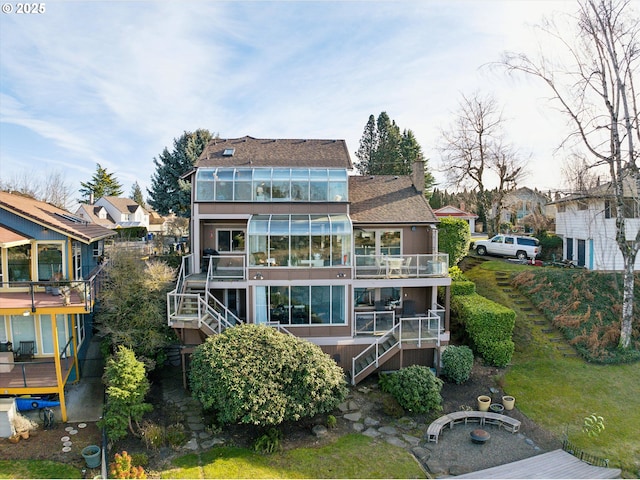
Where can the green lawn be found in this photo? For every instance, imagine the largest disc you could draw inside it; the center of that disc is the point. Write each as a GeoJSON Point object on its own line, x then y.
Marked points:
{"type": "Point", "coordinates": [37, 469]}
{"type": "Point", "coordinates": [351, 456]}
{"type": "Point", "coordinates": [557, 392]}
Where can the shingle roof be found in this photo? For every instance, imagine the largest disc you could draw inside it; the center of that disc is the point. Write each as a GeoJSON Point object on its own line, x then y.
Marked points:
{"type": "Point", "coordinates": [256, 152]}
{"type": "Point", "coordinates": [10, 238]}
{"type": "Point", "coordinates": [93, 213]}
{"type": "Point", "coordinates": [53, 217]}
{"type": "Point", "coordinates": [123, 204]}
{"type": "Point", "coordinates": [387, 199]}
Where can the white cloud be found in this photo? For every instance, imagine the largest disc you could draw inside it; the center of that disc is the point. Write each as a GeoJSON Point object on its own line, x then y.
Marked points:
{"type": "Point", "coordinates": [115, 82]}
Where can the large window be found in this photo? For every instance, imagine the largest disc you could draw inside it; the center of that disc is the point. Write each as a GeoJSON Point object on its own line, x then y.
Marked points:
{"type": "Point", "coordinates": [19, 263]}
{"type": "Point", "coordinates": [49, 261]}
{"type": "Point", "coordinates": [302, 304]}
{"type": "Point", "coordinates": [230, 240]}
{"type": "Point", "coordinates": [299, 240]}
{"type": "Point", "coordinates": [378, 242]}
{"type": "Point", "coordinates": [271, 184]}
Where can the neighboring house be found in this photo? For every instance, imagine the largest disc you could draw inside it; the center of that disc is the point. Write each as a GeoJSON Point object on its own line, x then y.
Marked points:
{"type": "Point", "coordinates": [587, 224]}
{"type": "Point", "coordinates": [95, 214]}
{"type": "Point", "coordinates": [451, 211]}
{"type": "Point", "coordinates": [158, 225]}
{"type": "Point", "coordinates": [115, 212]}
{"type": "Point", "coordinates": [49, 264]}
{"type": "Point", "coordinates": [520, 203]}
{"type": "Point", "coordinates": [283, 236]}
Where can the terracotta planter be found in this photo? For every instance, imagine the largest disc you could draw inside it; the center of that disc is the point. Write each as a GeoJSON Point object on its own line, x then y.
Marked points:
{"type": "Point", "coordinates": [508, 401]}
{"type": "Point", "coordinates": [483, 403]}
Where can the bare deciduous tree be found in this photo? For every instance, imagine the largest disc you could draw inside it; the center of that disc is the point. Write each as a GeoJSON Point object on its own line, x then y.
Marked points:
{"type": "Point", "coordinates": [52, 188]}
{"type": "Point", "coordinates": [475, 154]}
{"type": "Point", "coordinates": [595, 89]}
{"type": "Point", "coordinates": [578, 176]}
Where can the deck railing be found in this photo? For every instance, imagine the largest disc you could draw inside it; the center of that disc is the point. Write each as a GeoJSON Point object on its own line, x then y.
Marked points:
{"type": "Point", "coordinates": [226, 267]}
{"type": "Point", "coordinates": [374, 322]}
{"type": "Point", "coordinates": [402, 266]}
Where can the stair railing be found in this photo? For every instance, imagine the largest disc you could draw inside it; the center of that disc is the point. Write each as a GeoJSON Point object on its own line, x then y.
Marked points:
{"type": "Point", "coordinates": [395, 332]}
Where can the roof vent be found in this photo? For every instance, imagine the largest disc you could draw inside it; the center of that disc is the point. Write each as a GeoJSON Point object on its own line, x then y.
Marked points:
{"type": "Point", "coordinates": [228, 152]}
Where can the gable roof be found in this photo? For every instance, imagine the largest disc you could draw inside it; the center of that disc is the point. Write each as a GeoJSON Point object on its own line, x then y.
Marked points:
{"type": "Point", "coordinates": [255, 152]}
{"type": "Point", "coordinates": [93, 213]}
{"type": "Point", "coordinates": [387, 199]}
{"type": "Point", "coordinates": [451, 211]}
{"type": "Point", "coordinates": [52, 217]}
{"type": "Point", "coordinates": [122, 204]}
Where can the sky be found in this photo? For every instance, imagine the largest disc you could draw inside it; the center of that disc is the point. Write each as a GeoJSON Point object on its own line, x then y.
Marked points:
{"type": "Point", "coordinates": [114, 82]}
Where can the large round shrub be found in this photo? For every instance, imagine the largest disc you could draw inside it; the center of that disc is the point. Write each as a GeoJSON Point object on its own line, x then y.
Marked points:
{"type": "Point", "coordinates": [416, 388]}
{"type": "Point", "coordinates": [256, 375]}
{"type": "Point", "coordinates": [457, 363]}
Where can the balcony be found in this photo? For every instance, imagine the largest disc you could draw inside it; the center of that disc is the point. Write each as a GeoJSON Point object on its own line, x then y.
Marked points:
{"type": "Point", "coordinates": [35, 296]}
{"type": "Point", "coordinates": [402, 266]}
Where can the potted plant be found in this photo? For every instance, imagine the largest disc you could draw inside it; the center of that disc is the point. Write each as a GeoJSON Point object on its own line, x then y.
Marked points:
{"type": "Point", "coordinates": [55, 287]}
{"type": "Point", "coordinates": [79, 287]}
{"type": "Point", "coordinates": [23, 425]}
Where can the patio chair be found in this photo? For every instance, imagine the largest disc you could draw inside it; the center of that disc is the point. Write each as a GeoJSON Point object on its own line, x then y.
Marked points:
{"type": "Point", "coordinates": [25, 351]}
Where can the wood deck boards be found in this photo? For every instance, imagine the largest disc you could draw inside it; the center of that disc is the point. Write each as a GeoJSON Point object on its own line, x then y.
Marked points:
{"type": "Point", "coordinates": [554, 464]}
{"type": "Point", "coordinates": [39, 373]}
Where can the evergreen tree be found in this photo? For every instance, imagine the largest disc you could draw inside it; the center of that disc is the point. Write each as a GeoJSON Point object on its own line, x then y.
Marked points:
{"type": "Point", "coordinates": [136, 195]}
{"type": "Point", "coordinates": [384, 150]}
{"type": "Point", "coordinates": [169, 193]}
{"type": "Point", "coordinates": [368, 146]}
{"type": "Point", "coordinates": [102, 184]}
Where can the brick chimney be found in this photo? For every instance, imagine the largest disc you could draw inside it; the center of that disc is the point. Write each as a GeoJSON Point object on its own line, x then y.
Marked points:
{"type": "Point", "coordinates": [417, 174]}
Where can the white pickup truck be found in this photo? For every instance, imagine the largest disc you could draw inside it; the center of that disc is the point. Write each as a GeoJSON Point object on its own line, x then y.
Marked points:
{"type": "Point", "coordinates": [509, 246]}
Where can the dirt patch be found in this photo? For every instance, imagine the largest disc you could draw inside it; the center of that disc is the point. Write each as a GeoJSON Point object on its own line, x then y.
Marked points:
{"type": "Point", "coordinates": [48, 444]}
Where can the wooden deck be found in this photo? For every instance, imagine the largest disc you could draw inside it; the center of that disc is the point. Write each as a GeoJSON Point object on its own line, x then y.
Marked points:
{"type": "Point", "coordinates": [41, 300]}
{"type": "Point", "coordinates": [554, 464]}
{"type": "Point", "coordinates": [38, 374]}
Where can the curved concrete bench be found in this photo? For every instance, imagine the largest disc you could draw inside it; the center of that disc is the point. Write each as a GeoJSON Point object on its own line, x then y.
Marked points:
{"type": "Point", "coordinates": [466, 416]}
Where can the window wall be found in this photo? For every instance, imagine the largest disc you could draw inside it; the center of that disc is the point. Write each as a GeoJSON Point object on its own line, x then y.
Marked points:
{"type": "Point", "coordinates": [271, 184]}
{"type": "Point", "coordinates": [299, 240]}
{"type": "Point", "coordinates": [301, 304]}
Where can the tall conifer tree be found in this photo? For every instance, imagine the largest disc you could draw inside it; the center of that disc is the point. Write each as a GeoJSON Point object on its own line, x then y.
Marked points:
{"type": "Point", "coordinates": [169, 192]}
{"type": "Point", "coordinates": [102, 184]}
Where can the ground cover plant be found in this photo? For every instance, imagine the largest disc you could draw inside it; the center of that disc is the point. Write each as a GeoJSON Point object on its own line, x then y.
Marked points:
{"type": "Point", "coordinates": [586, 306]}
{"type": "Point", "coordinates": [558, 391]}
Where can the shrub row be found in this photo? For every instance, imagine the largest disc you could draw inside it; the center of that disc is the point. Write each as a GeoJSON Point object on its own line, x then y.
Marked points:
{"type": "Point", "coordinates": [488, 324]}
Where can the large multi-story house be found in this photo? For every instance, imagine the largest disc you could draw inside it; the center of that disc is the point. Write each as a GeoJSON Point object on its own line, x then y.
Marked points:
{"type": "Point", "coordinates": [282, 235]}
{"type": "Point", "coordinates": [49, 266]}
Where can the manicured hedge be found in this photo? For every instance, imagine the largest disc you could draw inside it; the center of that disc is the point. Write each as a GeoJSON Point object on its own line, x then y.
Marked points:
{"type": "Point", "coordinates": [465, 287]}
{"type": "Point", "coordinates": [489, 325]}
